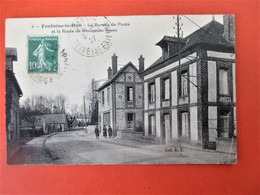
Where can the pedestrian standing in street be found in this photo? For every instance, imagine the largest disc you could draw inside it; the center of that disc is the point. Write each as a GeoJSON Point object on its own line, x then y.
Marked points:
{"type": "Point", "coordinates": [105, 131]}
{"type": "Point", "coordinates": [97, 132]}
{"type": "Point", "coordinates": [109, 131]}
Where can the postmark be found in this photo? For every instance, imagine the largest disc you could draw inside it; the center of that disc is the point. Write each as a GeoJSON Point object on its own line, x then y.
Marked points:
{"type": "Point", "coordinates": [43, 54]}
{"type": "Point", "coordinates": [93, 36]}
{"type": "Point", "coordinates": [63, 64]}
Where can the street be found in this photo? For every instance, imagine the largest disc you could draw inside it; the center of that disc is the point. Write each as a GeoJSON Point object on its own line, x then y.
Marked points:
{"type": "Point", "coordinates": [79, 148]}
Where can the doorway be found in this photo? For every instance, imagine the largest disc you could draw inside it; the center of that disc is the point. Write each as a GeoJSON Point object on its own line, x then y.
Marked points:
{"type": "Point", "coordinates": [166, 129]}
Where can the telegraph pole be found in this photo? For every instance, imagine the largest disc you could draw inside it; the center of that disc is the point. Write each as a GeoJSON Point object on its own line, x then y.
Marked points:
{"type": "Point", "coordinates": [180, 35]}
{"type": "Point", "coordinates": [85, 112]}
{"type": "Point", "coordinates": [179, 45]}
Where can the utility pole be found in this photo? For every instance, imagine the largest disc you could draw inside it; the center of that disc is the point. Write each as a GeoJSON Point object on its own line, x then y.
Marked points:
{"type": "Point", "coordinates": [179, 45]}
{"type": "Point", "coordinates": [85, 113]}
{"type": "Point", "coordinates": [180, 35]}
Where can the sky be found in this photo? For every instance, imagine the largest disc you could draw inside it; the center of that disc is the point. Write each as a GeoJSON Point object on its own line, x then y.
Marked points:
{"type": "Point", "coordinates": [132, 36]}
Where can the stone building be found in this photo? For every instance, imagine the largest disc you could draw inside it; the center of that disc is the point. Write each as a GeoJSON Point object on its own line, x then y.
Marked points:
{"type": "Point", "coordinates": [194, 102]}
{"type": "Point", "coordinates": [13, 94]}
{"type": "Point", "coordinates": [43, 124]}
{"type": "Point", "coordinates": [121, 99]}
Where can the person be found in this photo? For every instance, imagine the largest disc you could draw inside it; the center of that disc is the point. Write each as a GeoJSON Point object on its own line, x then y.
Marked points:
{"type": "Point", "coordinates": [97, 132]}
{"type": "Point", "coordinates": [40, 53]}
{"type": "Point", "coordinates": [109, 131]}
{"type": "Point", "coordinates": [105, 131]}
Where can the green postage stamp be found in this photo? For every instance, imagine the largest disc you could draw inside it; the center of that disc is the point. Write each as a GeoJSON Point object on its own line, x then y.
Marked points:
{"type": "Point", "coordinates": [43, 54]}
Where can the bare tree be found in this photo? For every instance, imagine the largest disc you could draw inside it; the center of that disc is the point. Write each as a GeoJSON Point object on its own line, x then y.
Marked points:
{"type": "Point", "coordinates": [74, 109]}
{"type": "Point", "coordinates": [60, 103]}
{"type": "Point", "coordinates": [46, 105]}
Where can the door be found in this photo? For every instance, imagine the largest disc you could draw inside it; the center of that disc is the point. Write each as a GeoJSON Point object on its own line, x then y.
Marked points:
{"type": "Point", "coordinates": [167, 128]}
{"type": "Point", "coordinates": [106, 119]}
{"type": "Point", "coordinates": [184, 124]}
{"type": "Point", "coordinates": [224, 119]}
{"type": "Point", "coordinates": [151, 130]}
{"type": "Point", "coordinates": [130, 120]}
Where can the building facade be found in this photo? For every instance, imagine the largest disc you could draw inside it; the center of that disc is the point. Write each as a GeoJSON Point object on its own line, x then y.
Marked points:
{"type": "Point", "coordinates": [13, 94]}
{"type": "Point", "coordinates": [190, 97]}
{"type": "Point", "coordinates": [121, 99]}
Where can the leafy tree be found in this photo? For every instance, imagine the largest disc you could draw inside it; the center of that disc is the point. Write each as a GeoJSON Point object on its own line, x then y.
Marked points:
{"type": "Point", "coordinates": [70, 121]}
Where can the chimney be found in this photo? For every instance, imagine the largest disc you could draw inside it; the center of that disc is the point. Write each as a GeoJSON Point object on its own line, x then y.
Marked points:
{"type": "Point", "coordinates": [114, 64]}
{"type": "Point", "coordinates": [141, 63]}
{"type": "Point", "coordinates": [229, 28]}
{"type": "Point", "coordinates": [10, 56]}
{"type": "Point", "coordinates": [109, 72]}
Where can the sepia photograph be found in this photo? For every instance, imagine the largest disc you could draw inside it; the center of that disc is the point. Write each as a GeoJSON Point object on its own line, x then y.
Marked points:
{"type": "Point", "coordinates": [154, 89]}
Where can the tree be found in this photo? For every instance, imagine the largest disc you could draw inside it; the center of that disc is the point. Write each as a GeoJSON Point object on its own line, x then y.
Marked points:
{"type": "Point", "coordinates": [70, 120]}
{"type": "Point", "coordinates": [46, 104]}
{"type": "Point", "coordinates": [92, 101]}
{"type": "Point", "coordinates": [29, 116]}
{"type": "Point", "coordinates": [94, 115]}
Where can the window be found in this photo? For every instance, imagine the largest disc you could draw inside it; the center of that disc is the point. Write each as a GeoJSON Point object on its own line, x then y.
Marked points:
{"type": "Point", "coordinates": [151, 130]}
{"type": "Point", "coordinates": [108, 95]}
{"type": "Point", "coordinates": [166, 89]}
{"type": "Point", "coordinates": [130, 94]}
{"type": "Point", "coordinates": [224, 119]}
{"type": "Point", "coordinates": [184, 124]}
{"type": "Point", "coordinates": [130, 120]}
{"type": "Point", "coordinates": [103, 97]}
{"type": "Point", "coordinates": [184, 83]}
{"type": "Point", "coordinates": [223, 81]}
{"type": "Point", "coordinates": [151, 93]}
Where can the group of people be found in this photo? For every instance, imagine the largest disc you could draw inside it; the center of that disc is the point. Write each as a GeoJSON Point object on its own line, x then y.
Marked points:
{"type": "Point", "coordinates": [105, 131]}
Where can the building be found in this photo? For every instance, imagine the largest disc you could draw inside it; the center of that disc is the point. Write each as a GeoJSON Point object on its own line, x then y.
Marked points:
{"type": "Point", "coordinates": [12, 97]}
{"type": "Point", "coordinates": [195, 101]}
{"type": "Point", "coordinates": [44, 124]}
{"type": "Point", "coordinates": [121, 99]}
{"type": "Point", "coordinates": [52, 122]}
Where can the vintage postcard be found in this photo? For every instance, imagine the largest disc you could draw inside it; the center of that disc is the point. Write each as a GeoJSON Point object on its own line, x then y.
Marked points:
{"type": "Point", "coordinates": [121, 90]}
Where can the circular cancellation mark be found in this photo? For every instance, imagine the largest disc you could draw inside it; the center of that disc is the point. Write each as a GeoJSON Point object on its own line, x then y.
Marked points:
{"type": "Point", "coordinates": [93, 36]}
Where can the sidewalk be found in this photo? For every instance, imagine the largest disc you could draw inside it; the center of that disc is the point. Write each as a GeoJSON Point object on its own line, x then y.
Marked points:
{"type": "Point", "coordinates": [15, 145]}
{"type": "Point", "coordinates": [31, 152]}
{"type": "Point", "coordinates": [195, 155]}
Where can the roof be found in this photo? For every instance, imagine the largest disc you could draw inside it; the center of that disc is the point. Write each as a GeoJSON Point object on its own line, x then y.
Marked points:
{"type": "Point", "coordinates": [211, 34]}
{"type": "Point", "coordinates": [159, 60]}
{"type": "Point", "coordinates": [47, 118]}
{"type": "Point", "coordinates": [10, 74]}
{"type": "Point", "coordinates": [169, 39]}
{"type": "Point", "coordinates": [110, 80]}
{"type": "Point", "coordinates": [53, 118]}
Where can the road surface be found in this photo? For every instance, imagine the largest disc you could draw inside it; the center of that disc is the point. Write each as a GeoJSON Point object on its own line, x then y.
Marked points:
{"type": "Point", "coordinates": [80, 148]}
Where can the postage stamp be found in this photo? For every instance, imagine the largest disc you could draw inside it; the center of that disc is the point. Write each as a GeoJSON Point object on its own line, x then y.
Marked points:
{"type": "Point", "coordinates": [43, 54]}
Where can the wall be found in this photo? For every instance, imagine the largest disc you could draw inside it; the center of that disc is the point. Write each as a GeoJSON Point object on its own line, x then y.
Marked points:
{"type": "Point", "coordinates": [120, 95]}
{"type": "Point", "coordinates": [106, 107]}
{"type": "Point", "coordinates": [119, 106]}
{"type": "Point", "coordinates": [218, 102]}
{"type": "Point", "coordinates": [212, 81]}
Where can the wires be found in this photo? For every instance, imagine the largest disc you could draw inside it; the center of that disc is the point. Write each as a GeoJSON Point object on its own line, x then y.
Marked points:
{"type": "Point", "coordinates": [218, 41]}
